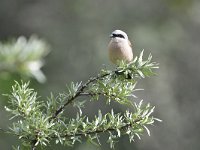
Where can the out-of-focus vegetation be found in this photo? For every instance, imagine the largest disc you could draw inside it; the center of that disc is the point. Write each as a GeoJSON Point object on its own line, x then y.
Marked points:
{"type": "Point", "coordinates": [23, 57]}
{"type": "Point", "coordinates": [78, 33]}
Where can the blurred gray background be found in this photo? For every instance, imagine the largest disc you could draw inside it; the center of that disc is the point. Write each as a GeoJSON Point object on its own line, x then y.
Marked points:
{"type": "Point", "coordinates": [78, 32]}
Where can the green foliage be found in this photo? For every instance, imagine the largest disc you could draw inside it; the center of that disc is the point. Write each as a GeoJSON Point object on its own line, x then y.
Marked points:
{"type": "Point", "coordinates": [37, 123]}
{"type": "Point", "coordinates": [24, 56]}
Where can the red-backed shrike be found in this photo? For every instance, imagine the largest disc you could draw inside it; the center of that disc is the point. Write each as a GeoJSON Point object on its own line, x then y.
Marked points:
{"type": "Point", "coordinates": [119, 47]}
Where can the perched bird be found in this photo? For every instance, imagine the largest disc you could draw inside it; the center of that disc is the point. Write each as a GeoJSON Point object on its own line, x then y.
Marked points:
{"type": "Point", "coordinates": [119, 47]}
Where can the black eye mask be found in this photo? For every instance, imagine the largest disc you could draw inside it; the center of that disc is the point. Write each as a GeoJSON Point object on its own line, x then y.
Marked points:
{"type": "Point", "coordinates": [118, 35]}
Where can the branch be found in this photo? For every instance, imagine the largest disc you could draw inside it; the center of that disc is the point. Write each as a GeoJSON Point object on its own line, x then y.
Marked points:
{"type": "Point", "coordinates": [121, 70]}
{"type": "Point", "coordinates": [118, 85]}
{"type": "Point", "coordinates": [118, 71]}
{"type": "Point", "coordinates": [105, 94]}
{"type": "Point", "coordinates": [101, 130]}
{"type": "Point", "coordinates": [79, 92]}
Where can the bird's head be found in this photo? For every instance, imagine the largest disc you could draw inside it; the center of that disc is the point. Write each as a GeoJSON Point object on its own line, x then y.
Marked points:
{"type": "Point", "coordinates": [119, 34]}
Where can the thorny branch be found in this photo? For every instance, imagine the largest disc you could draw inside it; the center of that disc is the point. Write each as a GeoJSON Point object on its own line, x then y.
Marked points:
{"type": "Point", "coordinates": [116, 86]}
{"type": "Point", "coordinates": [81, 89]}
{"type": "Point", "coordinates": [79, 92]}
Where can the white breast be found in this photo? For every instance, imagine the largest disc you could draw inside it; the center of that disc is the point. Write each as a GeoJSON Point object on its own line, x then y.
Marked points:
{"type": "Point", "coordinates": [120, 50]}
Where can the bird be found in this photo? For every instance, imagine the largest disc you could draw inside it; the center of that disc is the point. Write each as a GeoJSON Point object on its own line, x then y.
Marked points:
{"type": "Point", "coordinates": [119, 47]}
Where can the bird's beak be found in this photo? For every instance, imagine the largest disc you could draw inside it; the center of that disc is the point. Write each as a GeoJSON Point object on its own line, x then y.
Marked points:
{"type": "Point", "coordinates": [111, 36]}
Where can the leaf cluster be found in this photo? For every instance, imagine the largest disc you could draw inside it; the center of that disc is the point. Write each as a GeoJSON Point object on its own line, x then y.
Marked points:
{"type": "Point", "coordinates": [37, 123]}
